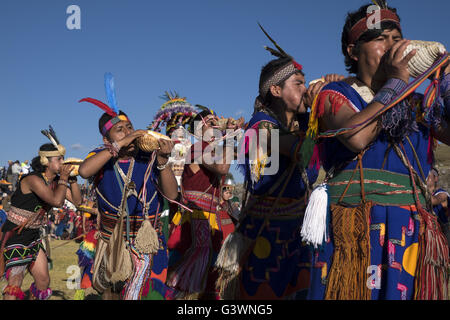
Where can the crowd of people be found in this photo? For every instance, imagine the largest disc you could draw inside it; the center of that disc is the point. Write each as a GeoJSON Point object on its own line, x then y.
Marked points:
{"type": "Point", "coordinates": [163, 220]}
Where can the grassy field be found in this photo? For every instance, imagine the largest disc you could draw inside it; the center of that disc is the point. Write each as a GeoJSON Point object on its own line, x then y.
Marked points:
{"type": "Point", "coordinates": [63, 272]}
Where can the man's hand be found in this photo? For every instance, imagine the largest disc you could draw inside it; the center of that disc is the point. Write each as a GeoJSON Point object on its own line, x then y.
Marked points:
{"type": "Point", "coordinates": [312, 92]}
{"type": "Point", "coordinates": [64, 171]}
{"type": "Point", "coordinates": [165, 149]}
{"type": "Point", "coordinates": [393, 64]}
{"type": "Point", "coordinates": [127, 140]}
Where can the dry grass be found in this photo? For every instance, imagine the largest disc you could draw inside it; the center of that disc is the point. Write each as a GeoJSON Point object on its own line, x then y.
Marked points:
{"type": "Point", "coordinates": [63, 254]}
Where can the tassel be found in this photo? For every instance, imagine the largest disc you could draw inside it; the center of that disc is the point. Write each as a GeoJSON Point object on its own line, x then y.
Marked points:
{"type": "Point", "coordinates": [147, 241]}
{"type": "Point", "coordinates": [431, 273]}
{"type": "Point", "coordinates": [348, 273]}
{"type": "Point", "coordinates": [234, 248]}
{"type": "Point", "coordinates": [314, 228]}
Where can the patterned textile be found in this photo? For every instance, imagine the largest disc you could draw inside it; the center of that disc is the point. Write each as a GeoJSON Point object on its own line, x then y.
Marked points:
{"type": "Point", "coordinates": [278, 264]}
{"type": "Point", "coordinates": [21, 254]}
{"type": "Point", "coordinates": [196, 237]}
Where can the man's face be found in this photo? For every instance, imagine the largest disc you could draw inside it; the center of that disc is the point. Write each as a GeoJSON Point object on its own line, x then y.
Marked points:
{"type": "Point", "coordinates": [207, 126]}
{"type": "Point", "coordinates": [227, 194]}
{"type": "Point", "coordinates": [371, 52]}
{"type": "Point", "coordinates": [55, 163]}
{"type": "Point", "coordinates": [292, 93]}
{"type": "Point", "coordinates": [120, 130]}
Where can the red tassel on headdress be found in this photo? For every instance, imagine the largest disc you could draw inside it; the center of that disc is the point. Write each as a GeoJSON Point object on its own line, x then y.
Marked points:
{"type": "Point", "coordinates": [297, 65]}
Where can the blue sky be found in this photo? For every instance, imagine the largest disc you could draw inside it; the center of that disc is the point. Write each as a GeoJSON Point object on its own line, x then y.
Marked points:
{"type": "Point", "coordinates": [210, 51]}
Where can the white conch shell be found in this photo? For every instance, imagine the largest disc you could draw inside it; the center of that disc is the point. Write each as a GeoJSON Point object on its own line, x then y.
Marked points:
{"type": "Point", "coordinates": [316, 80]}
{"type": "Point", "coordinates": [426, 55]}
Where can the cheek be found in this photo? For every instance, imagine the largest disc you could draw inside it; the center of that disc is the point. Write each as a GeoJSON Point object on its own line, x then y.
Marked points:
{"type": "Point", "coordinates": [375, 52]}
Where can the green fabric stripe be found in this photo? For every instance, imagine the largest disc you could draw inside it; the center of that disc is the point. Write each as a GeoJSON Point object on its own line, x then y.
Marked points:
{"type": "Point", "coordinates": [379, 186]}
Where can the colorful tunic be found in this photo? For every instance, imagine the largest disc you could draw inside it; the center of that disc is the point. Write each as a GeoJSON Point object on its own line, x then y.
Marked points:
{"type": "Point", "coordinates": [278, 265]}
{"type": "Point", "coordinates": [393, 219]}
{"type": "Point", "coordinates": [150, 271]}
{"type": "Point", "coordinates": [196, 237]}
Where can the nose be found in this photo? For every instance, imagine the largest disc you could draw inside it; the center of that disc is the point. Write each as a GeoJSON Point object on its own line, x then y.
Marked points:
{"type": "Point", "coordinates": [389, 42]}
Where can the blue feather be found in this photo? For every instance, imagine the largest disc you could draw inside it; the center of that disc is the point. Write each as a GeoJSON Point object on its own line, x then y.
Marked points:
{"type": "Point", "coordinates": [110, 92]}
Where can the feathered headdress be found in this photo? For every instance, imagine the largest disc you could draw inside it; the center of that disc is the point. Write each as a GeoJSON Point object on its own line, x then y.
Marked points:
{"type": "Point", "coordinates": [110, 109]}
{"type": "Point", "coordinates": [361, 26]}
{"type": "Point", "coordinates": [176, 111]}
{"type": "Point", "coordinates": [278, 75]}
{"type": "Point", "coordinates": [61, 151]}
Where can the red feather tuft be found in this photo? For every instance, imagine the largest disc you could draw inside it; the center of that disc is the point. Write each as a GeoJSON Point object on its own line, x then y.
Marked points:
{"type": "Point", "coordinates": [297, 65]}
{"type": "Point", "coordinates": [101, 105]}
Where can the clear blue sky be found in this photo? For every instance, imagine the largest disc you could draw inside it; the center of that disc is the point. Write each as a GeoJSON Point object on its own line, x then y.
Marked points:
{"type": "Point", "coordinates": [210, 51]}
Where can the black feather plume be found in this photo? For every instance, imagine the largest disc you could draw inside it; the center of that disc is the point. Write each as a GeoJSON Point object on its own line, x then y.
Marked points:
{"type": "Point", "coordinates": [203, 108]}
{"type": "Point", "coordinates": [53, 133]}
{"type": "Point", "coordinates": [49, 136]}
{"type": "Point", "coordinates": [280, 53]}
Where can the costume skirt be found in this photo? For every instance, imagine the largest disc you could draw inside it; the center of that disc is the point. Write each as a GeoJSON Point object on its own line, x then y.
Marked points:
{"type": "Point", "coordinates": [277, 264]}
{"type": "Point", "coordinates": [21, 249]}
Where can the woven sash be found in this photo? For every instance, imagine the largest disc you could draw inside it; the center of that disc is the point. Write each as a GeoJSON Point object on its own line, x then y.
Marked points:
{"type": "Point", "coordinates": [287, 208]}
{"type": "Point", "coordinates": [31, 220]}
{"type": "Point", "coordinates": [385, 188]}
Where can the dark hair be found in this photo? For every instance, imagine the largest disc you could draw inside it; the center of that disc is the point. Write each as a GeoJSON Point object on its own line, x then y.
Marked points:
{"type": "Point", "coordinates": [36, 162]}
{"type": "Point", "coordinates": [269, 69]}
{"type": "Point", "coordinates": [369, 35]}
{"type": "Point", "coordinates": [198, 117]}
{"type": "Point", "coordinates": [104, 119]}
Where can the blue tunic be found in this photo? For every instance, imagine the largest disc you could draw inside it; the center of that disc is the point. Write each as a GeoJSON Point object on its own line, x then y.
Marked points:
{"type": "Point", "coordinates": [278, 265]}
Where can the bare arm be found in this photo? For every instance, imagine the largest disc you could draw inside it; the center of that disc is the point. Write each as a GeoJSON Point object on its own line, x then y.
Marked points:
{"type": "Point", "coordinates": [95, 163]}
{"type": "Point", "coordinates": [167, 179]}
{"type": "Point", "coordinates": [55, 197]}
{"type": "Point", "coordinates": [440, 198]}
{"type": "Point", "coordinates": [74, 193]}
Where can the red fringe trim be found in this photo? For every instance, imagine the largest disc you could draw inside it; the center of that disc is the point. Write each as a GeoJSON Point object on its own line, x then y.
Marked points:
{"type": "Point", "coordinates": [336, 99]}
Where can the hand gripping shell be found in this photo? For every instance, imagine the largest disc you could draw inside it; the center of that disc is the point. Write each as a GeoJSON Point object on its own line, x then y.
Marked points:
{"type": "Point", "coordinates": [75, 162]}
{"type": "Point", "coordinates": [149, 141]}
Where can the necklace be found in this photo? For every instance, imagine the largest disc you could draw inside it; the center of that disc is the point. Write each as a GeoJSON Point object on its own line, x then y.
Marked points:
{"type": "Point", "coordinates": [45, 178]}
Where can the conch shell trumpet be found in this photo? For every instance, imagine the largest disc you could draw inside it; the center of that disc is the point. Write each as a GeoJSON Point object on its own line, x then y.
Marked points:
{"type": "Point", "coordinates": [427, 53]}
{"type": "Point", "coordinates": [149, 142]}
{"type": "Point", "coordinates": [75, 162]}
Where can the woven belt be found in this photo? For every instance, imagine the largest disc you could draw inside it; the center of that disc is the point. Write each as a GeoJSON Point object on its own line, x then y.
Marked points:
{"type": "Point", "coordinates": [383, 187]}
{"type": "Point", "coordinates": [20, 216]}
{"type": "Point", "coordinates": [286, 207]}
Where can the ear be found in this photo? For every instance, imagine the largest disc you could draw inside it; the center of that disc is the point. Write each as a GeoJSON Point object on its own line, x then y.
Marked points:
{"type": "Point", "coordinates": [275, 91]}
{"type": "Point", "coordinates": [350, 50]}
{"type": "Point", "coordinates": [106, 140]}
